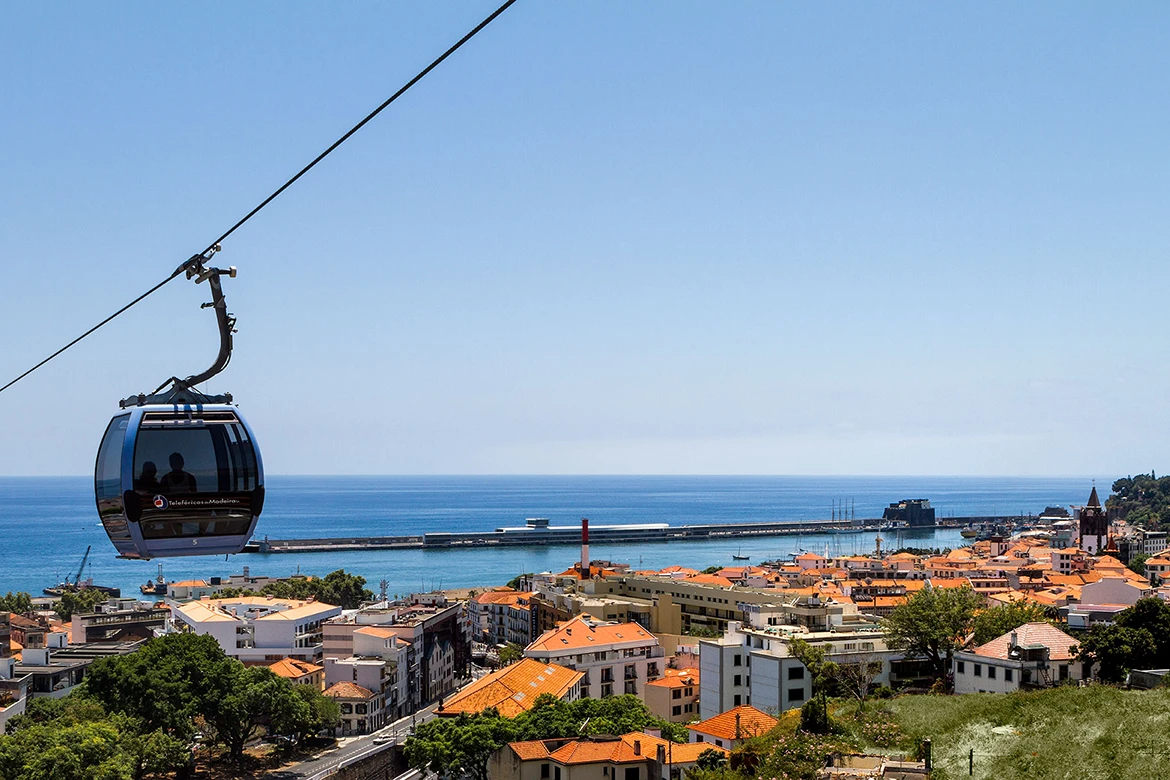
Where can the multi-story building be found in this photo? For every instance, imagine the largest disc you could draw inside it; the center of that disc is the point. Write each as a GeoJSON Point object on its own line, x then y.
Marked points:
{"type": "Point", "coordinates": [675, 696]}
{"type": "Point", "coordinates": [755, 665]}
{"type": "Point", "coordinates": [120, 620]}
{"type": "Point", "coordinates": [379, 663]}
{"type": "Point", "coordinates": [690, 603]}
{"type": "Point", "coordinates": [361, 709]}
{"type": "Point", "coordinates": [616, 658]}
{"type": "Point", "coordinates": [430, 654]}
{"type": "Point", "coordinates": [259, 628]}
{"type": "Point", "coordinates": [13, 687]}
{"type": "Point", "coordinates": [502, 617]}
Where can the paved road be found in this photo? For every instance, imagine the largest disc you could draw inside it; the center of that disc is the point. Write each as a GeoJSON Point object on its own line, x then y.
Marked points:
{"type": "Point", "coordinates": [354, 748]}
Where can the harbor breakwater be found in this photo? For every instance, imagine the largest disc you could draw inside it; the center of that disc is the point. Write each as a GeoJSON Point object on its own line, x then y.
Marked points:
{"type": "Point", "coordinates": [571, 535]}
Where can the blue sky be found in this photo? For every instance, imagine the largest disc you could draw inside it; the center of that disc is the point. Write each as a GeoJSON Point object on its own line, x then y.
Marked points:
{"type": "Point", "coordinates": [755, 238]}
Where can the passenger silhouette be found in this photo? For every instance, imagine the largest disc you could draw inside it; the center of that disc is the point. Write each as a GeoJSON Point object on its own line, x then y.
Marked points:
{"type": "Point", "coordinates": [149, 479]}
{"type": "Point", "coordinates": [176, 480]}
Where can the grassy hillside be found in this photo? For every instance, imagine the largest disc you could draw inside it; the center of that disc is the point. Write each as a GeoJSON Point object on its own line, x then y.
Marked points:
{"type": "Point", "coordinates": [1065, 733]}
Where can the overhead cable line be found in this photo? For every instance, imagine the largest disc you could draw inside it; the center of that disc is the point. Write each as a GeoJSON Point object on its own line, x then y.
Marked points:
{"type": "Point", "coordinates": [214, 245]}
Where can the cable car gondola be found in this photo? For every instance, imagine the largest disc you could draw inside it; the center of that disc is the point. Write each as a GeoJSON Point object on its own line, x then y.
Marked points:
{"type": "Point", "coordinates": [178, 472]}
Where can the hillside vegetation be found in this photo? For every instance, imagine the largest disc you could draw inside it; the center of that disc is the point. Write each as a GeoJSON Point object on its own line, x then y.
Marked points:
{"type": "Point", "coordinates": [1065, 733]}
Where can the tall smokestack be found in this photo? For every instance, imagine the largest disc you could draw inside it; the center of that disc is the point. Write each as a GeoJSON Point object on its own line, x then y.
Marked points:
{"type": "Point", "coordinates": [584, 548]}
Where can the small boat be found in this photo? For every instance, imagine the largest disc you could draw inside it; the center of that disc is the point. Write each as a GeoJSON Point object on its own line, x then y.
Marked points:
{"type": "Point", "coordinates": [740, 557]}
{"type": "Point", "coordinates": [968, 533]}
{"type": "Point", "coordinates": [156, 587]}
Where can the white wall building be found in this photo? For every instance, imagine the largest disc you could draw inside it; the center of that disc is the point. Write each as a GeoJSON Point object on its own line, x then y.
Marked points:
{"type": "Point", "coordinates": [748, 666]}
{"type": "Point", "coordinates": [616, 658]}
{"type": "Point", "coordinates": [1035, 655]}
{"type": "Point", "coordinates": [259, 628]}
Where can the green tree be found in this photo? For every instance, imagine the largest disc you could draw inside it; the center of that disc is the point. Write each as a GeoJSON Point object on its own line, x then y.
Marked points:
{"type": "Point", "coordinates": [19, 602]}
{"type": "Point", "coordinates": [1137, 563]}
{"type": "Point", "coordinates": [711, 759]}
{"type": "Point", "coordinates": [256, 698]}
{"type": "Point", "coordinates": [1117, 649]}
{"type": "Point", "coordinates": [712, 570]}
{"type": "Point", "coordinates": [313, 713]}
{"type": "Point", "coordinates": [814, 714]}
{"type": "Point", "coordinates": [933, 624]}
{"type": "Point", "coordinates": [1153, 615]}
{"type": "Point", "coordinates": [992, 623]}
{"type": "Point", "coordinates": [166, 683]}
{"type": "Point", "coordinates": [514, 583]}
{"type": "Point", "coordinates": [461, 745]}
{"type": "Point", "coordinates": [511, 654]}
{"type": "Point", "coordinates": [338, 588]}
{"type": "Point", "coordinates": [78, 602]}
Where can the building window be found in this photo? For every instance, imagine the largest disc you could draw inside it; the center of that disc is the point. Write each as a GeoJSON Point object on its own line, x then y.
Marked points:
{"type": "Point", "coordinates": [991, 672]}
{"type": "Point", "coordinates": [544, 771]}
{"type": "Point", "coordinates": [556, 773]}
{"type": "Point", "coordinates": [738, 700]}
{"type": "Point", "coordinates": [962, 667]}
{"type": "Point", "coordinates": [978, 670]}
{"type": "Point", "coordinates": [738, 660]}
{"type": "Point", "coordinates": [795, 694]}
{"type": "Point", "coordinates": [676, 710]}
{"type": "Point", "coordinates": [676, 694]}
{"type": "Point", "coordinates": [796, 673]}
{"type": "Point", "coordinates": [632, 773]}
{"type": "Point", "coordinates": [738, 680]}
{"type": "Point", "coordinates": [1007, 675]}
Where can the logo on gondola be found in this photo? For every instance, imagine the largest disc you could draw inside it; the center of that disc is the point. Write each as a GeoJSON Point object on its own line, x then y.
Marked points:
{"type": "Point", "coordinates": [160, 502]}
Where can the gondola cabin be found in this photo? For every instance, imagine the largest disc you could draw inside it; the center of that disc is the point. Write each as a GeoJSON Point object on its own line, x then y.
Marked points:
{"type": "Point", "coordinates": [179, 479]}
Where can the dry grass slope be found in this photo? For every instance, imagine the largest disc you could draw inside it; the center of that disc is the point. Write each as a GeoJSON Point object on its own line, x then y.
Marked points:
{"type": "Point", "coordinates": [1094, 733]}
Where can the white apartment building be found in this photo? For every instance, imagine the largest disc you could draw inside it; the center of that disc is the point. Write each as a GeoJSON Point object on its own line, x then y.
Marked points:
{"type": "Point", "coordinates": [435, 647]}
{"type": "Point", "coordinates": [502, 617]}
{"type": "Point", "coordinates": [616, 658]}
{"type": "Point", "coordinates": [258, 628]}
{"type": "Point", "coordinates": [754, 666]}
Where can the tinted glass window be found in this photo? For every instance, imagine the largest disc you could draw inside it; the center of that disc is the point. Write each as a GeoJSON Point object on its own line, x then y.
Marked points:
{"type": "Point", "coordinates": [108, 474]}
{"type": "Point", "coordinates": [214, 458]}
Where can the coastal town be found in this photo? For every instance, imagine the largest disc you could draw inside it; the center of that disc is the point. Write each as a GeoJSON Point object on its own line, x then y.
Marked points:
{"type": "Point", "coordinates": [714, 660]}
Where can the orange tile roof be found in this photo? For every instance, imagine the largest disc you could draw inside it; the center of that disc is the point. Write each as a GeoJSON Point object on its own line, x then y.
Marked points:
{"type": "Point", "coordinates": [752, 722]}
{"type": "Point", "coordinates": [291, 668]}
{"type": "Point", "coordinates": [190, 584]}
{"type": "Point", "coordinates": [348, 690]}
{"type": "Point", "coordinates": [678, 752]}
{"type": "Point", "coordinates": [677, 678]}
{"type": "Point", "coordinates": [1059, 644]}
{"type": "Point", "coordinates": [590, 752]}
{"type": "Point", "coordinates": [513, 689]}
{"type": "Point", "coordinates": [511, 598]}
{"type": "Point", "coordinates": [533, 750]}
{"type": "Point", "coordinates": [579, 633]}
{"type": "Point", "coordinates": [709, 579]}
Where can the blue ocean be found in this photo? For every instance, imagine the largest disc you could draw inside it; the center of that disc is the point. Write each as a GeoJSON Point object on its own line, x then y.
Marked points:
{"type": "Point", "coordinates": [46, 523]}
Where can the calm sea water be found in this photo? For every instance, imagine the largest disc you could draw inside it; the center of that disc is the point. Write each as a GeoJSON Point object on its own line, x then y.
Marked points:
{"type": "Point", "coordinates": [46, 523]}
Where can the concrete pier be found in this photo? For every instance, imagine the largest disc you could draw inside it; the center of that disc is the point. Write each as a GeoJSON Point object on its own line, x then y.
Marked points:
{"type": "Point", "coordinates": [571, 535]}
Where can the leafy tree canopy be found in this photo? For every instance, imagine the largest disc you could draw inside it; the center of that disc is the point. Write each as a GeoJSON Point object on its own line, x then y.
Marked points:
{"type": "Point", "coordinates": [1117, 649]}
{"type": "Point", "coordinates": [19, 602]}
{"type": "Point", "coordinates": [511, 654]}
{"type": "Point", "coordinates": [1143, 500]}
{"type": "Point", "coordinates": [339, 588]}
{"type": "Point", "coordinates": [995, 622]}
{"type": "Point", "coordinates": [78, 602]}
{"type": "Point", "coordinates": [933, 623]}
{"type": "Point", "coordinates": [1153, 615]}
